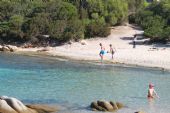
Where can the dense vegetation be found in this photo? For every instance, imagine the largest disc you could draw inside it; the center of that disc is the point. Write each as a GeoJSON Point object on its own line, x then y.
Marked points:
{"type": "Point", "coordinates": [42, 22]}
{"type": "Point", "coordinates": [155, 20]}
{"type": "Point", "coordinates": [63, 20]}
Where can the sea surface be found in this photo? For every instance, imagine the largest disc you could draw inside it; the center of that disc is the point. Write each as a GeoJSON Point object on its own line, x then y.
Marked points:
{"type": "Point", "coordinates": [73, 85]}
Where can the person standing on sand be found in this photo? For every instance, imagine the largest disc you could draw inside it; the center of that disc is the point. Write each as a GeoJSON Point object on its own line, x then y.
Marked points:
{"type": "Point", "coordinates": [112, 50]}
{"type": "Point", "coordinates": [102, 52]}
{"type": "Point", "coordinates": [101, 46]}
{"type": "Point", "coordinates": [134, 41]}
{"type": "Point", "coordinates": [151, 92]}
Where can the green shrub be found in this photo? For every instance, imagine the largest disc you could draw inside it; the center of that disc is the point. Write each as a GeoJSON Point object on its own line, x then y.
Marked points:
{"type": "Point", "coordinates": [132, 18]}
{"type": "Point", "coordinates": [74, 30]}
{"type": "Point", "coordinates": [62, 20]}
{"type": "Point", "coordinates": [111, 19]}
{"type": "Point", "coordinates": [155, 21]}
{"type": "Point", "coordinates": [97, 30]}
{"type": "Point", "coordinates": [166, 34]}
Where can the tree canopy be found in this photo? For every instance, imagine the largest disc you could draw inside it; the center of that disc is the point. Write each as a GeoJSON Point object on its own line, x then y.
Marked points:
{"type": "Point", "coordinates": [155, 20]}
{"type": "Point", "coordinates": [63, 20]}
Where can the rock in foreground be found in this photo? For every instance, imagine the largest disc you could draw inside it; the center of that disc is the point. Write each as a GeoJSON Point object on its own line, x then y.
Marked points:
{"type": "Point", "coordinates": [42, 108]}
{"type": "Point", "coordinates": [106, 106]}
{"type": "Point", "coordinates": [13, 105]}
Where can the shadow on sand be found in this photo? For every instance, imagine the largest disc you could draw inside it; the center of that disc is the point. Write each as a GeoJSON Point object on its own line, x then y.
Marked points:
{"type": "Point", "coordinates": [159, 45]}
{"type": "Point", "coordinates": [127, 38]}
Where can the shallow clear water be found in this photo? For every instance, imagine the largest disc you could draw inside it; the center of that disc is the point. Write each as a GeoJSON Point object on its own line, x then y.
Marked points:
{"type": "Point", "coordinates": [74, 85]}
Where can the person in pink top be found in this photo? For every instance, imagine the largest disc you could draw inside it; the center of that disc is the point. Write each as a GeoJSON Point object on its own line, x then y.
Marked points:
{"type": "Point", "coordinates": [151, 92]}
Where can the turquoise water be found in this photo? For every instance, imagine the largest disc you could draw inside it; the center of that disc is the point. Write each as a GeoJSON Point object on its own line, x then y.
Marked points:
{"type": "Point", "coordinates": [73, 85]}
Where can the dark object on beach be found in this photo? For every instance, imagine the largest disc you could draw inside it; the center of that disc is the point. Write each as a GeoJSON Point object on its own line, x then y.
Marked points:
{"type": "Point", "coordinates": [139, 39]}
{"type": "Point", "coordinates": [106, 106]}
{"type": "Point", "coordinates": [134, 42]}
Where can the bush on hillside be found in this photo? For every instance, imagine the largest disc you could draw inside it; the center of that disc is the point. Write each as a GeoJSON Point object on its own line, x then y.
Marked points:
{"type": "Point", "coordinates": [155, 21]}
{"type": "Point", "coordinates": [62, 20]}
{"type": "Point", "coordinates": [93, 30]}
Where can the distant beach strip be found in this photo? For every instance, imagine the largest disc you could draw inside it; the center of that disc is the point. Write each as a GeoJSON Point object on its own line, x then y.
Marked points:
{"type": "Point", "coordinates": [121, 38]}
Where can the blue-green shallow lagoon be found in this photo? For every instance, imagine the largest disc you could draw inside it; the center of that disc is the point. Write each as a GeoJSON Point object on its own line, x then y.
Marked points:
{"type": "Point", "coordinates": [74, 85]}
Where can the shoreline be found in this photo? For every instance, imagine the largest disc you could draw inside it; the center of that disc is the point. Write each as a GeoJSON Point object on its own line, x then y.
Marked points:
{"type": "Point", "coordinates": [150, 56]}
{"type": "Point", "coordinates": [94, 62]}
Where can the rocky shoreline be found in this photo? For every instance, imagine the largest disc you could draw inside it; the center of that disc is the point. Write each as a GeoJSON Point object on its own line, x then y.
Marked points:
{"type": "Point", "coordinates": [13, 105]}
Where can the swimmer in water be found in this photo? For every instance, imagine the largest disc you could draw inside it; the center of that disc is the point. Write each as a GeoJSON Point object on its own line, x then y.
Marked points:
{"type": "Point", "coordinates": [151, 92]}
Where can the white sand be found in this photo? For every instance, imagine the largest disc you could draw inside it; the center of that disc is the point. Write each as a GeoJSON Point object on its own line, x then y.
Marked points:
{"type": "Point", "coordinates": [142, 55]}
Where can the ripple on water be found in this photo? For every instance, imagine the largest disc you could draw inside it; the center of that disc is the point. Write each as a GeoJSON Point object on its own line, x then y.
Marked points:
{"type": "Point", "coordinates": [75, 85]}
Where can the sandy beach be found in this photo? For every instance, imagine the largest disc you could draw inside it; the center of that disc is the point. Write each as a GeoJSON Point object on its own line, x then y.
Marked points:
{"type": "Point", "coordinates": [120, 38]}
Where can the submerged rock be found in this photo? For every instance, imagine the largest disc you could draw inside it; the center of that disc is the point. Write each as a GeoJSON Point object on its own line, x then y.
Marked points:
{"type": "Point", "coordinates": [42, 108]}
{"type": "Point", "coordinates": [106, 106]}
{"type": "Point", "coordinates": [119, 105]}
